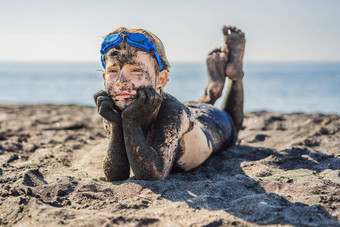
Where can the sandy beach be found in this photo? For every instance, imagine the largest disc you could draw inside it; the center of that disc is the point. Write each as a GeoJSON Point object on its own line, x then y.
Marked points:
{"type": "Point", "coordinates": [284, 170]}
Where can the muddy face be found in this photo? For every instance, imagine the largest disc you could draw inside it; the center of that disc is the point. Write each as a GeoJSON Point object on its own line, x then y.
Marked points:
{"type": "Point", "coordinates": [127, 70]}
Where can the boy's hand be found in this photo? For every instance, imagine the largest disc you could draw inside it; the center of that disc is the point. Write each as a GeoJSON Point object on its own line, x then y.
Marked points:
{"type": "Point", "coordinates": [106, 107]}
{"type": "Point", "coordinates": [147, 102]}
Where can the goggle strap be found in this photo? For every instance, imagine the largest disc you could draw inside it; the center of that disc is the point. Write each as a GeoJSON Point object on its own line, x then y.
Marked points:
{"type": "Point", "coordinates": [103, 64]}
{"type": "Point", "coordinates": [138, 45]}
{"type": "Point", "coordinates": [158, 60]}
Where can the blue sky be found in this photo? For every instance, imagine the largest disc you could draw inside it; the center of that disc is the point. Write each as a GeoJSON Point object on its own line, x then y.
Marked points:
{"type": "Point", "coordinates": [280, 30]}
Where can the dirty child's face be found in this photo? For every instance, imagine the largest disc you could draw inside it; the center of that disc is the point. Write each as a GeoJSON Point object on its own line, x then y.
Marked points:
{"type": "Point", "coordinates": [126, 71]}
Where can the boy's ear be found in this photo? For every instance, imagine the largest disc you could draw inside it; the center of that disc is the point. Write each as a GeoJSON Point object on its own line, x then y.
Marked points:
{"type": "Point", "coordinates": [162, 79]}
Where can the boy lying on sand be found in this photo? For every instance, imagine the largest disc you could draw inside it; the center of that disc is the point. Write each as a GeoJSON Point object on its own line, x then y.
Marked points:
{"type": "Point", "coordinates": [150, 130]}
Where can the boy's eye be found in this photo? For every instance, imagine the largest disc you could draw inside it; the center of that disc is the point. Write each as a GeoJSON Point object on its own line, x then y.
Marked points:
{"type": "Point", "coordinates": [113, 71]}
{"type": "Point", "coordinates": [138, 70]}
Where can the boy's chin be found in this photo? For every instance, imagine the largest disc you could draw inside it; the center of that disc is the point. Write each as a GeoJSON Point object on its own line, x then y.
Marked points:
{"type": "Point", "coordinates": [122, 104]}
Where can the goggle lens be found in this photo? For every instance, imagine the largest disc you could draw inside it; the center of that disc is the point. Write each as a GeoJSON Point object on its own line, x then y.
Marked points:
{"type": "Point", "coordinates": [138, 37]}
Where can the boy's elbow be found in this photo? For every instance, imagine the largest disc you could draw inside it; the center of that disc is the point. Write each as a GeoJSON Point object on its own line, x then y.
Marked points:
{"type": "Point", "coordinates": [151, 176]}
{"type": "Point", "coordinates": [153, 171]}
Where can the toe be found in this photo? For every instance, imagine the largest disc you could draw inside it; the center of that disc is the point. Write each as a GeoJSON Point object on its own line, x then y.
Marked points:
{"type": "Point", "coordinates": [228, 29]}
{"type": "Point", "coordinates": [225, 30]}
{"type": "Point", "coordinates": [240, 32]}
{"type": "Point", "coordinates": [224, 49]}
{"type": "Point", "coordinates": [216, 50]}
{"type": "Point", "coordinates": [224, 58]}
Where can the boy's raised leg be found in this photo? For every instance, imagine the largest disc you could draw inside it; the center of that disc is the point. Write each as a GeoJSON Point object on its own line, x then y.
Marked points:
{"type": "Point", "coordinates": [233, 102]}
{"type": "Point", "coordinates": [216, 63]}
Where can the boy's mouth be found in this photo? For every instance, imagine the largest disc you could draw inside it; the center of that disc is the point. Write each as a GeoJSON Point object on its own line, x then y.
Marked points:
{"type": "Point", "coordinates": [123, 95]}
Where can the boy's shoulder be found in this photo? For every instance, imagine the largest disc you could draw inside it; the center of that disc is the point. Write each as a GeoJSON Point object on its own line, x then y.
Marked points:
{"type": "Point", "coordinates": [173, 111]}
{"type": "Point", "coordinates": [171, 105]}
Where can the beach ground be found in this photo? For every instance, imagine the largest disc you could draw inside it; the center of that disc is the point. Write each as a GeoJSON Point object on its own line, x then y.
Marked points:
{"type": "Point", "coordinates": [284, 170]}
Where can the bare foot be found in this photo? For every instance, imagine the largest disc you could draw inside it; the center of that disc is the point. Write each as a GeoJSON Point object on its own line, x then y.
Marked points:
{"type": "Point", "coordinates": [235, 41]}
{"type": "Point", "coordinates": [216, 63]}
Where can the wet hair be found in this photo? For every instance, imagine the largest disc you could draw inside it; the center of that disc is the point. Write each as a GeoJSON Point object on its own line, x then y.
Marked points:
{"type": "Point", "coordinates": [154, 39]}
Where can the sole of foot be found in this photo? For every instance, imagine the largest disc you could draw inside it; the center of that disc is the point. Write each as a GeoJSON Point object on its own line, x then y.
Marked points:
{"type": "Point", "coordinates": [235, 40]}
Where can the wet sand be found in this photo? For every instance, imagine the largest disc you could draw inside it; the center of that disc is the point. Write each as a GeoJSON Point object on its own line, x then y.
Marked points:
{"type": "Point", "coordinates": [284, 170]}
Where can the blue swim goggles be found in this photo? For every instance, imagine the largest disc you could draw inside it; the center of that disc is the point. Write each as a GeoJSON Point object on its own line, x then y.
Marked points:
{"type": "Point", "coordinates": [138, 40]}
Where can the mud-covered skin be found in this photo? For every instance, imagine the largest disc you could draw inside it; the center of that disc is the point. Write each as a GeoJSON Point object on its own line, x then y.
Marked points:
{"type": "Point", "coordinates": [122, 53]}
{"type": "Point", "coordinates": [115, 164]}
{"type": "Point", "coordinates": [226, 61]}
{"type": "Point", "coordinates": [151, 153]}
{"type": "Point", "coordinates": [181, 137]}
{"type": "Point", "coordinates": [106, 107]}
{"type": "Point", "coordinates": [144, 159]}
{"type": "Point", "coordinates": [126, 72]}
{"type": "Point", "coordinates": [216, 63]}
{"type": "Point", "coordinates": [235, 41]}
{"type": "Point", "coordinates": [233, 102]}
{"type": "Point", "coordinates": [216, 124]}
{"type": "Point", "coordinates": [223, 62]}
{"type": "Point", "coordinates": [211, 130]}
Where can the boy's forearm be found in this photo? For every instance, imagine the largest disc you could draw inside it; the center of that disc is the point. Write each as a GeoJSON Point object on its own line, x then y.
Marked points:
{"type": "Point", "coordinates": [144, 160]}
{"type": "Point", "coordinates": [116, 165]}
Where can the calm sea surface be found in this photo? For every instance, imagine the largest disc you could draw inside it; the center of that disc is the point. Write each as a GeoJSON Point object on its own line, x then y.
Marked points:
{"type": "Point", "coordinates": [279, 87]}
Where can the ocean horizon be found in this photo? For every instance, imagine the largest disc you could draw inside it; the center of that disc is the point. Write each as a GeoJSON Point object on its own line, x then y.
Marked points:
{"type": "Point", "coordinates": [283, 87]}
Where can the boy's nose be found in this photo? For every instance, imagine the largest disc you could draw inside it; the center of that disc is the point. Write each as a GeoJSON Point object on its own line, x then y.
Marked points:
{"type": "Point", "coordinates": [121, 79]}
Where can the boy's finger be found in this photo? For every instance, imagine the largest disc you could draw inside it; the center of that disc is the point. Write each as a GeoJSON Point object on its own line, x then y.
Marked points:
{"type": "Point", "coordinates": [99, 93]}
{"type": "Point", "coordinates": [136, 104]}
{"type": "Point", "coordinates": [101, 99]}
{"type": "Point", "coordinates": [152, 90]}
{"type": "Point", "coordinates": [158, 100]}
{"type": "Point", "coordinates": [106, 104]}
{"type": "Point", "coordinates": [158, 97]}
{"type": "Point", "coordinates": [141, 97]}
{"type": "Point", "coordinates": [104, 108]}
{"type": "Point", "coordinates": [106, 111]}
{"type": "Point", "coordinates": [150, 97]}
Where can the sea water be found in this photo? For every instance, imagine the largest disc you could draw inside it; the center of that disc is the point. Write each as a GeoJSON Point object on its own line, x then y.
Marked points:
{"type": "Point", "coordinates": [281, 87]}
